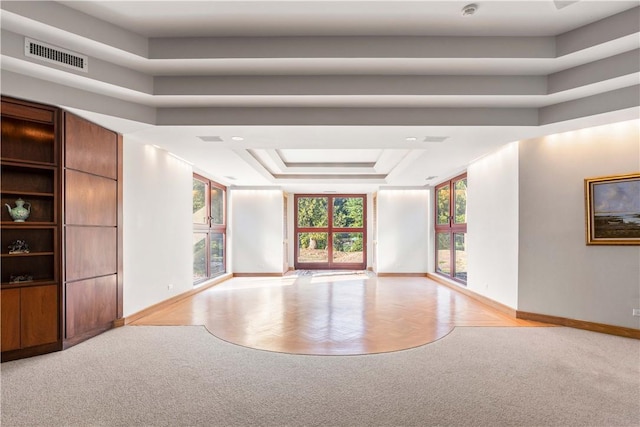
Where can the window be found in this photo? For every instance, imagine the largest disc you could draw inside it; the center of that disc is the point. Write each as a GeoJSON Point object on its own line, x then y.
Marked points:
{"type": "Point", "coordinates": [209, 229]}
{"type": "Point", "coordinates": [330, 231]}
{"type": "Point", "coordinates": [451, 228]}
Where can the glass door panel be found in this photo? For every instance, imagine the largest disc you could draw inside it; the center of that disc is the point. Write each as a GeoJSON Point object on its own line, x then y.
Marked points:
{"type": "Point", "coordinates": [313, 248]}
{"type": "Point", "coordinates": [348, 248]}
{"type": "Point", "coordinates": [216, 254]}
{"type": "Point", "coordinates": [217, 206]}
{"type": "Point", "coordinates": [313, 212]}
{"type": "Point", "coordinates": [200, 202]}
{"type": "Point", "coordinates": [199, 256]}
{"type": "Point", "coordinates": [348, 212]}
{"type": "Point", "coordinates": [460, 201]}
{"type": "Point", "coordinates": [442, 211]}
{"type": "Point", "coordinates": [443, 253]}
{"type": "Point", "coordinates": [460, 255]}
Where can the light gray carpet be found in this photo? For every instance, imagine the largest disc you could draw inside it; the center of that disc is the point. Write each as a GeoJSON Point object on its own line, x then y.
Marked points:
{"type": "Point", "coordinates": [183, 376]}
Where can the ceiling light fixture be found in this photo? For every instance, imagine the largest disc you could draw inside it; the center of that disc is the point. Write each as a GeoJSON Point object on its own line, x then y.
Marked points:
{"type": "Point", "coordinates": [411, 138]}
{"type": "Point", "coordinates": [469, 9]}
{"type": "Point", "coordinates": [237, 138]}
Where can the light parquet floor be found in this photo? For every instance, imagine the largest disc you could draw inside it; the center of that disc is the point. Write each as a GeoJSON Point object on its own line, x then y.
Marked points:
{"type": "Point", "coordinates": [330, 315]}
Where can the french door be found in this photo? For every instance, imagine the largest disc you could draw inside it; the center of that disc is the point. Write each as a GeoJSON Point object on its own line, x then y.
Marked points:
{"type": "Point", "coordinates": [451, 228]}
{"type": "Point", "coordinates": [209, 229]}
{"type": "Point", "coordinates": [330, 231]}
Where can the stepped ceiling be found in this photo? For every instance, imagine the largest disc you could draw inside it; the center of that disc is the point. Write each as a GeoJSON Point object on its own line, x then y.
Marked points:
{"type": "Point", "coordinates": [317, 96]}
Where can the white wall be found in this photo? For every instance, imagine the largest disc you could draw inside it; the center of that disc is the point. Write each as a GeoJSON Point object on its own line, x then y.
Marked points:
{"type": "Point", "coordinates": [157, 226]}
{"type": "Point", "coordinates": [558, 274]}
{"type": "Point", "coordinates": [403, 231]}
{"type": "Point", "coordinates": [256, 230]}
{"type": "Point", "coordinates": [492, 228]}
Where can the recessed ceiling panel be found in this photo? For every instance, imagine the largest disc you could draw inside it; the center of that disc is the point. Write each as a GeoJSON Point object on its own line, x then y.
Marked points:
{"type": "Point", "coordinates": [330, 156]}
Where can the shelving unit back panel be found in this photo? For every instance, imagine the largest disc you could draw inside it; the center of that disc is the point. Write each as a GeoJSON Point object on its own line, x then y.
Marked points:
{"type": "Point", "coordinates": [27, 141]}
{"type": "Point", "coordinates": [17, 179]}
{"type": "Point", "coordinates": [42, 208]}
{"type": "Point", "coordinates": [39, 267]}
{"type": "Point", "coordinates": [38, 239]}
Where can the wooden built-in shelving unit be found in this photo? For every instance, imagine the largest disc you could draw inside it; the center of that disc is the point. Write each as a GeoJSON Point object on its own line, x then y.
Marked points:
{"type": "Point", "coordinates": [70, 172]}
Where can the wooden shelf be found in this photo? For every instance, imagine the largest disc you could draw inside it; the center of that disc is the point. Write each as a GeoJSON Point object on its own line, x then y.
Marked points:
{"type": "Point", "coordinates": [25, 164]}
{"type": "Point", "coordinates": [27, 193]}
{"type": "Point", "coordinates": [28, 163]}
{"type": "Point", "coordinates": [26, 224]}
{"type": "Point", "coordinates": [40, 282]}
{"type": "Point", "coordinates": [27, 254]}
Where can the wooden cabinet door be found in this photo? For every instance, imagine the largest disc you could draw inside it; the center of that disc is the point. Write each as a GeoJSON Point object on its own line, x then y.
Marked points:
{"type": "Point", "coordinates": [39, 315]}
{"type": "Point", "coordinates": [10, 319]}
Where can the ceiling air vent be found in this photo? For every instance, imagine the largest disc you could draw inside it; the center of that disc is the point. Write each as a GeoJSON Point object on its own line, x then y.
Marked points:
{"type": "Point", "coordinates": [55, 55]}
{"type": "Point", "coordinates": [211, 138]}
{"type": "Point", "coordinates": [435, 138]}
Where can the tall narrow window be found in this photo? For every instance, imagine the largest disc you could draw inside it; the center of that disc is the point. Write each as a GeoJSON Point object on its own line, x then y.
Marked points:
{"type": "Point", "coordinates": [209, 229]}
{"type": "Point", "coordinates": [451, 229]}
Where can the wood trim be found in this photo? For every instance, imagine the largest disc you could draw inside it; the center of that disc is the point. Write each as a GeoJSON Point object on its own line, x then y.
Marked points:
{"type": "Point", "coordinates": [77, 339]}
{"type": "Point", "coordinates": [400, 274]}
{"type": "Point", "coordinates": [581, 324]}
{"type": "Point", "coordinates": [481, 298]}
{"type": "Point", "coordinates": [166, 303]}
{"type": "Point", "coordinates": [258, 274]}
{"type": "Point", "coordinates": [31, 351]}
{"type": "Point", "coordinates": [120, 232]}
{"type": "Point", "coordinates": [118, 322]}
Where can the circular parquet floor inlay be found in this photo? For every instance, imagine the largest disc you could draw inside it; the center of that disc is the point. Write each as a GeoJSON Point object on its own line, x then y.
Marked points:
{"type": "Point", "coordinates": [330, 314]}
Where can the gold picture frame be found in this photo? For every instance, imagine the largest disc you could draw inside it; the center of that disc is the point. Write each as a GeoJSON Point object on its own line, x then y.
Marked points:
{"type": "Point", "coordinates": [613, 210]}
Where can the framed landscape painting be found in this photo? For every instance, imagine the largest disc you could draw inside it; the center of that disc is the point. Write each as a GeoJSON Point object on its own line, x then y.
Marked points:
{"type": "Point", "coordinates": [613, 210]}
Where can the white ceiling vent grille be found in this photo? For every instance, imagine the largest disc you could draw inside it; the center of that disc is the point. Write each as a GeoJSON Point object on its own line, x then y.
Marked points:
{"type": "Point", "coordinates": [211, 138]}
{"type": "Point", "coordinates": [435, 138]}
{"type": "Point", "coordinates": [55, 55]}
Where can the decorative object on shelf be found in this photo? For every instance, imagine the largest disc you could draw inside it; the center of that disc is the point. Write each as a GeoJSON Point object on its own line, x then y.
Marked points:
{"type": "Point", "coordinates": [21, 212]}
{"type": "Point", "coordinates": [19, 247]}
{"type": "Point", "coordinates": [613, 210]}
{"type": "Point", "coordinates": [20, 278]}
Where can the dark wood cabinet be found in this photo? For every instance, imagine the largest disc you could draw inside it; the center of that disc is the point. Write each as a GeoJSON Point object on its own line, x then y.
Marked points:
{"type": "Point", "coordinates": [68, 286]}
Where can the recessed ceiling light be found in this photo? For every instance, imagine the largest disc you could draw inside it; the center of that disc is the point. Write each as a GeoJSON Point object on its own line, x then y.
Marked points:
{"type": "Point", "coordinates": [237, 138]}
{"type": "Point", "coordinates": [411, 138]}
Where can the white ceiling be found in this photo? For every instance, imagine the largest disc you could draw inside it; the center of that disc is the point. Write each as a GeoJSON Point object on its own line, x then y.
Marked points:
{"type": "Point", "coordinates": [347, 18]}
{"type": "Point", "coordinates": [324, 94]}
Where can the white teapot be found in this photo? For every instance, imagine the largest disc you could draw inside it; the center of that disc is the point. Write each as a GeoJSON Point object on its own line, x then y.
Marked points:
{"type": "Point", "coordinates": [21, 212]}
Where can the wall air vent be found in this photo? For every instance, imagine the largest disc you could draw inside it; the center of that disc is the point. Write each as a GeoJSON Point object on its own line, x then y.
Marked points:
{"type": "Point", "coordinates": [56, 55]}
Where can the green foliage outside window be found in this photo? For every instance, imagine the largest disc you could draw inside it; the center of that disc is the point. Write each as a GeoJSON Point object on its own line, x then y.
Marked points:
{"type": "Point", "coordinates": [443, 196]}
{"type": "Point", "coordinates": [198, 195]}
{"type": "Point", "coordinates": [348, 212]}
{"type": "Point", "coordinates": [460, 196]}
{"type": "Point", "coordinates": [312, 212]}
